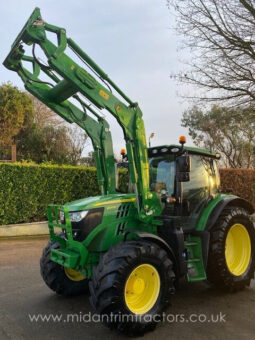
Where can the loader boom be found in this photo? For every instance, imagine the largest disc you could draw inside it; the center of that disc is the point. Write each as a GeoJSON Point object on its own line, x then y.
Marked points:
{"type": "Point", "coordinates": [71, 81]}
{"type": "Point", "coordinates": [97, 129]}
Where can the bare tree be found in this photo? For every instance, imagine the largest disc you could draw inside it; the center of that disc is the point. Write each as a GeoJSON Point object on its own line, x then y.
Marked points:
{"type": "Point", "coordinates": [43, 115]}
{"type": "Point", "coordinates": [221, 37]}
{"type": "Point", "coordinates": [228, 131]}
{"type": "Point", "coordinates": [78, 142]}
{"type": "Point", "coordinates": [78, 139]}
{"type": "Point", "coordinates": [57, 140]}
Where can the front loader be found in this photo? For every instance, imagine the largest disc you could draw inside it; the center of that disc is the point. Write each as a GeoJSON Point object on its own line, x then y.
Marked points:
{"type": "Point", "coordinates": [131, 249]}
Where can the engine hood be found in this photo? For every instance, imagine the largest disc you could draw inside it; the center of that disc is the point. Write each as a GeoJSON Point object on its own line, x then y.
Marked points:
{"type": "Point", "coordinates": [99, 201]}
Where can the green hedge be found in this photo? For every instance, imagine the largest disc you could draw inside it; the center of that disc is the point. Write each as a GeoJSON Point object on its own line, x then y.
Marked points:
{"type": "Point", "coordinates": [26, 190]}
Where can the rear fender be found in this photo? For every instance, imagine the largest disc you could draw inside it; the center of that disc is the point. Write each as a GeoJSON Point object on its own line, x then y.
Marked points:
{"type": "Point", "coordinates": [213, 210]}
{"type": "Point", "coordinates": [230, 201]}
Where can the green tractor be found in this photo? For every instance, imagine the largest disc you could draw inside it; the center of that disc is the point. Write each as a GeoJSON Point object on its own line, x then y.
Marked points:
{"type": "Point", "coordinates": [129, 250]}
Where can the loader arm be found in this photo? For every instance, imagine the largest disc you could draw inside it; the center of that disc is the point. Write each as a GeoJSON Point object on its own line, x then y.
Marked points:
{"type": "Point", "coordinates": [70, 81]}
{"type": "Point", "coordinates": [97, 129]}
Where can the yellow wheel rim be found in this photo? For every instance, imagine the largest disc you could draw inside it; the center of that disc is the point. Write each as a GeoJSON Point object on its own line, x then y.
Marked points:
{"type": "Point", "coordinates": [238, 249]}
{"type": "Point", "coordinates": [142, 289]}
{"type": "Point", "coordinates": [74, 275]}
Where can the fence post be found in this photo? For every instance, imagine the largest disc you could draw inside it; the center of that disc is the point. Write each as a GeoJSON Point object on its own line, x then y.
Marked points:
{"type": "Point", "coordinates": [14, 153]}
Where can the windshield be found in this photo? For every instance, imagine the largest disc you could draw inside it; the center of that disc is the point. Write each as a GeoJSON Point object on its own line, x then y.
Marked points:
{"type": "Point", "coordinates": [162, 174]}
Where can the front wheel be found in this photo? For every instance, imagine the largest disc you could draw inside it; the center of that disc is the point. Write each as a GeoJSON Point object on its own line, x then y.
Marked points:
{"type": "Point", "coordinates": [63, 281]}
{"type": "Point", "coordinates": [231, 261]}
{"type": "Point", "coordinates": [132, 286]}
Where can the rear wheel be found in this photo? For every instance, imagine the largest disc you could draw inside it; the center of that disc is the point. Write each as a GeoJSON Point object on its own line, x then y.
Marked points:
{"type": "Point", "coordinates": [231, 261]}
{"type": "Point", "coordinates": [132, 285]}
{"type": "Point", "coordinates": [63, 281]}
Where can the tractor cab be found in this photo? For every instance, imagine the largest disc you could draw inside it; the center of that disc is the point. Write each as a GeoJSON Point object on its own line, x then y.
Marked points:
{"type": "Point", "coordinates": [185, 180]}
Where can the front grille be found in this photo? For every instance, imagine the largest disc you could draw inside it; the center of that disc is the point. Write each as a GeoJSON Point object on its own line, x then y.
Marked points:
{"type": "Point", "coordinates": [120, 228]}
{"type": "Point", "coordinates": [123, 210]}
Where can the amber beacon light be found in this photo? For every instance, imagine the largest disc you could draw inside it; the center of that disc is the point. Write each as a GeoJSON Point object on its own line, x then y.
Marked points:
{"type": "Point", "coordinates": [182, 140]}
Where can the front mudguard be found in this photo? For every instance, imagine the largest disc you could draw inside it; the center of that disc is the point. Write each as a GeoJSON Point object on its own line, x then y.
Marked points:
{"type": "Point", "coordinates": [175, 252]}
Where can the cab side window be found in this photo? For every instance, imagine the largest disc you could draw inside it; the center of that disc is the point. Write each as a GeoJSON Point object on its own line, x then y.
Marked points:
{"type": "Point", "coordinates": [196, 191]}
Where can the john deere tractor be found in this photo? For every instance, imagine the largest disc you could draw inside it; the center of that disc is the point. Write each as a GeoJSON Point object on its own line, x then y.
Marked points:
{"type": "Point", "coordinates": [130, 249]}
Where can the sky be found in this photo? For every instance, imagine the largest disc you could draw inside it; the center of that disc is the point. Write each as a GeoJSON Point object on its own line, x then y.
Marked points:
{"type": "Point", "coordinates": [132, 41]}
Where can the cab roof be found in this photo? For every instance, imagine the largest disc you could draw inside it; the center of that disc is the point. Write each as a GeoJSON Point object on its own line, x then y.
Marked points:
{"type": "Point", "coordinates": [172, 148]}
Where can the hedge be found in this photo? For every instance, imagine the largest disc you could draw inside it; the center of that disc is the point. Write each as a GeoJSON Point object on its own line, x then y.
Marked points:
{"type": "Point", "coordinates": [240, 181]}
{"type": "Point", "coordinates": [26, 189]}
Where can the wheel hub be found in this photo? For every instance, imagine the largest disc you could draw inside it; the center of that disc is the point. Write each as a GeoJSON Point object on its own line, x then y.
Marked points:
{"type": "Point", "coordinates": [238, 249]}
{"type": "Point", "coordinates": [142, 289]}
{"type": "Point", "coordinates": [73, 275]}
{"type": "Point", "coordinates": [138, 286]}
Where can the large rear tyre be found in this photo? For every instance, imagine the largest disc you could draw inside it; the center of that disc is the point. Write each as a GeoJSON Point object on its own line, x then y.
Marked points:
{"type": "Point", "coordinates": [132, 286]}
{"type": "Point", "coordinates": [63, 281]}
{"type": "Point", "coordinates": [231, 261]}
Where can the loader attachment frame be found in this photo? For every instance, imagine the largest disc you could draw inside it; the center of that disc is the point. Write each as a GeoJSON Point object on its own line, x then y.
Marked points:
{"type": "Point", "coordinates": [70, 81]}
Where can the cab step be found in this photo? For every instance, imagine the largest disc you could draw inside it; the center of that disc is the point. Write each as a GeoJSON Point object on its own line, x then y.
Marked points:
{"type": "Point", "coordinates": [195, 263]}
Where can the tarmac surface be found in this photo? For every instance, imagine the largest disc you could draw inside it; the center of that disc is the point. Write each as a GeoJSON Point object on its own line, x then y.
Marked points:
{"type": "Point", "coordinates": [198, 311]}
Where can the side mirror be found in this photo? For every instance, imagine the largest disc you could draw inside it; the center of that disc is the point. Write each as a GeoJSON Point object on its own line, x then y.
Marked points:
{"type": "Point", "coordinates": [183, 168]}
{"type": "Point", "coordinates": [183, 177]}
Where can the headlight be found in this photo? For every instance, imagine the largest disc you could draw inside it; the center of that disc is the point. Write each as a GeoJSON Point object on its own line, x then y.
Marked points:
{"type": "Point", "coordinates": [75, 216]}
{"type": "Point", "coordinates": [61, 216]}
{"type": "Point", "coordinates": [83, 222]}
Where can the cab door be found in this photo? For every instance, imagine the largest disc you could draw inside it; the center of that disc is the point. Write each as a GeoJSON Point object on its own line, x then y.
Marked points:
{"type": "Point", "coordinates": [197, 192]}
